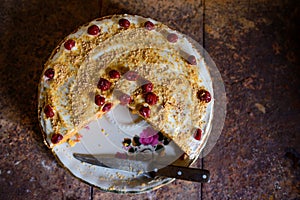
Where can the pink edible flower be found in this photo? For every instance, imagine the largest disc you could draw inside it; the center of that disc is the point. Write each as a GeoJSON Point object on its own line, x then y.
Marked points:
{"type": "Point", "coordinates": [149, 137]}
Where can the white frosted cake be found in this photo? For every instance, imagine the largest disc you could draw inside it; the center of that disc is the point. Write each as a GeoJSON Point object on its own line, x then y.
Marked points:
{"type": "Point", "coordinates": [133, 61]}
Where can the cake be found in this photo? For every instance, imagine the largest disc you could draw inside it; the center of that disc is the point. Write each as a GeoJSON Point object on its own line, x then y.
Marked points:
{"type": "Point", "coordinates": [129, 60]}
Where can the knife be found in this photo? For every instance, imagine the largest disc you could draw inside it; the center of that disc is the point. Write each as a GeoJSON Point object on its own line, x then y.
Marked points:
{"type": "Point", "coordinates": [170, 171]}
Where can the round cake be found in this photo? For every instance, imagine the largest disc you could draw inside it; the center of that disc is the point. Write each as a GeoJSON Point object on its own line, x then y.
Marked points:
{"type": "Point", "coordinates": [127, 60]}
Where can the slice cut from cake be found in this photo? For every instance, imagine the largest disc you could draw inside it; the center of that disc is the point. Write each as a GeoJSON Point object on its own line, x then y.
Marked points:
{"type": "Point", "coordinates": [133, 61]}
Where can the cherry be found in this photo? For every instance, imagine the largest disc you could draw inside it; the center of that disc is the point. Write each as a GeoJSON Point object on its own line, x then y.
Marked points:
{"type": "Point", "coordinates": [204, 95]}
{"type": "Point", "coordinates": [56, 138]}
{"type": "Point", "coordinates": [198, 134]}
{"type": "Point", "coordinates": [192, 60]}
{"type": "Point", "coordinates": [99, 100]}
{"type": "Point", "coordinates": [131, 75]}
{"type": "Point", "coordinates": [125, 99]}
{"type": "Point", "coordinates": [49, 73]}
{"type": "Point", "coordinates": [172, 37]}
{"type": "Point", "coordinates": [147, 87]}
{"type": "Point", "coordinates": [48, 111]}
{"type": "Point", "coordinates": [149, 25]}
{"type": "Point", "coordinates": [150, 98]}
{"type": "Point", "coordinates": [107, 107]}
{"type": "Point", "coordinates": [114, 74]}
{"type": "Point", "coordinates": [69, 44]}
{"type": "Point", "coordinates": [103, 84]}
{"type": "Point", "coordinates": [124, 23]}
{"type": "Point", "coordinates": [145, 111]}
{"type": "Point", "coordinates": [93, 30]}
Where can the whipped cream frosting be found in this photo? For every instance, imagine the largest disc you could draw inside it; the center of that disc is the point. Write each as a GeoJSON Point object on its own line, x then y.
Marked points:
{"type": "Point", "coordinates": [178, 113]}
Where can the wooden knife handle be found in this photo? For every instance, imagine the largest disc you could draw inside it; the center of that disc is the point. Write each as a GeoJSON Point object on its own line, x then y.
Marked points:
{"type": "Point", "coordinates": [184, 173]}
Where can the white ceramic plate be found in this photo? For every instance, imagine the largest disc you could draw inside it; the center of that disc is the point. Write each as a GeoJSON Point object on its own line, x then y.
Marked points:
{"type": "Point", "coordinates": [117, 133]}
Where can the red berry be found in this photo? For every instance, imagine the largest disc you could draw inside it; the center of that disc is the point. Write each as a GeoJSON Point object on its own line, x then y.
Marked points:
{"type": "Point", "coordinates": [48, 111]}
{"type": "Point", "coordinates": [114, 74]}
{"type": "Point", "coordinates": [192, 60]}
{"type": "Point", "coordinates": [69, 44]}
{"type": "Point", "coordinates": [131, 75]}
{"type": "Point", "coordinates": [99, 100]}
{"type": "Point", "coordinates": [124, 23]}
{"type": "Point", "coordinates": [204, 95]}
{"type": "Point", "coordinates": [198, 134]}
{"type": "Point", "coordinates": [103, 84]}
{"type": "Point", "coordinates": [125, 99]}
{"type": "Point", "coordinates": [172, 37]}
{"type": "Point", "coordinates": [147, 87]}
{"type": "Point", "coordinates": [149, 25]}
{"type": "Point", "coordinates": [107, 107]}
{"type": "Point", "coordinates": [145, 111]}
{"type": "Point", "coordinates": [56, 138]}
{"type": "Point", "coordinates": [150, 98]}
{"type": "Point", "coordinates": [49, 73]}
{"type": "Point", "coordinates": [93, 30]}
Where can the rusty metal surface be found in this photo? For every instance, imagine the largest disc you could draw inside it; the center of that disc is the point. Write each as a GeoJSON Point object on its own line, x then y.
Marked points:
{"type": "Point", "coordinates": [255, 44]}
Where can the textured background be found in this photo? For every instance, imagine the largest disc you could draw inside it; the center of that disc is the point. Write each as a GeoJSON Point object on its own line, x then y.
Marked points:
{"type": "Point", "coordinates": [255, 45]}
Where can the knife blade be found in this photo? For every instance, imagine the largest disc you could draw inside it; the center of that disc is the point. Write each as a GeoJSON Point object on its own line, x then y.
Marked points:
{"type": "Point", "coordinates": [170, 171]}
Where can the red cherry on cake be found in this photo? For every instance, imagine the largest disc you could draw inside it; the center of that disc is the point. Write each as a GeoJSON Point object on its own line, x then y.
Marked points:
{"type": "Point", "coordinates": [125, 99]}
{"type": "Point", "coordinates": [198, 134]}
{"type": "Point", "coordinates": [93, 30]}
{"type": "Point", "coordinates": [56, 138]}
{"type": "Point", "coordinates": [172, 37]}
{"type": "Point", "coordinates": [69, 44]}
{"type": "Point", "coordinates": [192, 60]}
{"type": "Point", "coordinates": [48, 111]}
{"type": "Point", "coordinates": [204, 95]}
{"type": "Point", "coordinates": [103, 84]}
{"type": "Point", "coordinates": [124, 23]}
{"type": "Point", "coordinates": [149, 25]}
{"type": "Point", "coordinates": [114, 74]}
{"type": "Point", "coordinates": [145, 111]}
{"type": "Point", "coordinates": [107, 107]}
{"type": "Point", "coordinates": [150, 98]}
{"type": "Point", "coordinates": [49, 73]}
{"type": "Point", "coordinates": [147, 87]}
{"type": "Point", "coordinates": [99, 100]}
{"type": "Point", "coordinates": [131, 75]}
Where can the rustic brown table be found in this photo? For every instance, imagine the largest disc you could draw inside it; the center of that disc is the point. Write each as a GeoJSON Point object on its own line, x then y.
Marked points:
{"type": "Point", "coordinates": [255, 44]}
